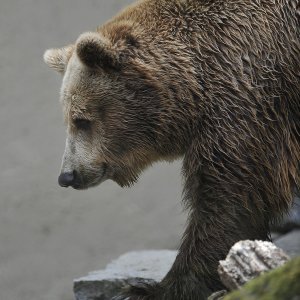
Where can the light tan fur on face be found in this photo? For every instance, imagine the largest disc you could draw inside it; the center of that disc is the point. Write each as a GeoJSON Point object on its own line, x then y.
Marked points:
{"type": "Point", "coordinates": [77, 152]}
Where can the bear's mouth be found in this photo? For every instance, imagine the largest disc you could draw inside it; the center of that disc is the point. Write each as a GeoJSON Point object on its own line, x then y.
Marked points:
{"type": "Point", "coordinates": [92, 179]}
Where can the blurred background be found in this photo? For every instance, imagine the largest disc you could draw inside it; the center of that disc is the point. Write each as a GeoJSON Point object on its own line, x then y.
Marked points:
{"type": "Point", "coordinates": [50, 235]}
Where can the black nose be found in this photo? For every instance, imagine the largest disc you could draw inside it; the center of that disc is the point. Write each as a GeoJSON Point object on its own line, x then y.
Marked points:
{"type": "Point", "coordinates": [66, 179]}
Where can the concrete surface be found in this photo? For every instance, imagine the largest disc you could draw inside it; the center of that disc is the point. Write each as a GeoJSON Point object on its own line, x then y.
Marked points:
{"type": "Point", "coordinates": [140, 266]}
{"type": "Point", "coordinates": [50, 235]}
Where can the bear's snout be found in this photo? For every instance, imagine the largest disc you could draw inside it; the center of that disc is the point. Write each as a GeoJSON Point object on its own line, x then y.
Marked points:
{"type": "Point", "coordinates": [67, 179]}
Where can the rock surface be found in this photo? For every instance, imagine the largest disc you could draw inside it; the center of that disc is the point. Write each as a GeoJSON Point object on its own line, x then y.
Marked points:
{"type": "Point", "coordinates": [247, 260]}
{"type": "Point", "coordinates": [290, 243]}
{"type": "Point", "coordinates": [132, 266]}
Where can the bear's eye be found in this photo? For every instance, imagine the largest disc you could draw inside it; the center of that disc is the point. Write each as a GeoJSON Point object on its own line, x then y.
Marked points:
{"type": "Point", "coordinates": [82, 124]}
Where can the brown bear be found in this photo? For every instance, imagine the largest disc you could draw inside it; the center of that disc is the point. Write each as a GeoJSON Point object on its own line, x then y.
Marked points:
{"type": "Point", "coordinates": [216, 82]}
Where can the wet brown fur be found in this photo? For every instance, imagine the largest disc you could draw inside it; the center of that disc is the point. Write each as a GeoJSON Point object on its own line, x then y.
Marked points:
{"type": "Point", "coordinates": [217, 82]}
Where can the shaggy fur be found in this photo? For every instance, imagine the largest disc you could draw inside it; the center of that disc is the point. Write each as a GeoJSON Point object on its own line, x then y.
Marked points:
{"type": "Point", "coordinates": [214, 81]}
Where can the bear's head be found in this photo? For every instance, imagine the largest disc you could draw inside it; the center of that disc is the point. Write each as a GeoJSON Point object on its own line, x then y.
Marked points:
{"type": "Point", "coordinates": [113, 109]}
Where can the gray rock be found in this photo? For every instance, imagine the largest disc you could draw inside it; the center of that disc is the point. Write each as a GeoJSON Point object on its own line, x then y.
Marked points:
{"type": "Point", "coordinates": [247, 260]}
{"type": "Point", "coordinates": [291, 220]}
{"type": "Point", "coordinates": [290, 243]}
{"type": "Point", "coordinates": [142, 266]}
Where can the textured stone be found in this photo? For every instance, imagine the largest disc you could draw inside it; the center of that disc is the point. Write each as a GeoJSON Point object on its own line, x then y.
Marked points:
{"type": "Point", "coordinates": [290, 243]}
{"type": "Point", "coordinates": [143, 266]}
{"type": "Point", "coordinates": [279, 284]}
{"type": "Point", "coordinates": [247, 260]}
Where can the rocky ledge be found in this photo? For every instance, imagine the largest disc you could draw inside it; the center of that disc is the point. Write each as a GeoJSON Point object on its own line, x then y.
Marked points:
{"type": "Point", "coordinates": [245, 261]}
{"type": "Point", "coordinates": [130, 267]}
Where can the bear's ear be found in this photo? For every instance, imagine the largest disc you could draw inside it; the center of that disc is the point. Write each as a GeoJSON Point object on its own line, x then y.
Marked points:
{"type": "Point", "coordinates": [94, 51]}
{"type": "Point", "coordinates": [58, 59]}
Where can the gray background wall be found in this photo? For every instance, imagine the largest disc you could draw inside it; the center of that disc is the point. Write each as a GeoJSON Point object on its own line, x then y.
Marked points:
{"type": "Point", "coordinates": [50, 235]}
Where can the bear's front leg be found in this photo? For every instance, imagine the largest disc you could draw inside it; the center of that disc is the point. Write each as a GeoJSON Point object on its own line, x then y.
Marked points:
{"type": "Point", "coordinates": [182, 288]}
{"type": "Point", "coordinates": [212, 230]}
{"type": "Point", "coordinates": [193, 274]}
